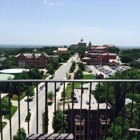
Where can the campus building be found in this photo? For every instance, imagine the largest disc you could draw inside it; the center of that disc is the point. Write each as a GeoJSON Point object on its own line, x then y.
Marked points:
{"type": "Point", "coordinates": [83, 121]}
{"type": "Point", "coordinates": [60, 50]}
{"type": "Point", "coordinates": [32, 60]}
{"type": "Point", "coordinates": [79, 45]}
{"type": "Point", "coordinates": [97, 55]}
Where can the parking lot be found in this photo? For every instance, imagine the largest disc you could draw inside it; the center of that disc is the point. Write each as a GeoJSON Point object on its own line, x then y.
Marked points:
{"type": "Point", "coordinates": [105, 70]}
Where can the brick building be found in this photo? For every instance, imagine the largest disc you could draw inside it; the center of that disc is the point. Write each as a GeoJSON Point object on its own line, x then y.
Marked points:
{"type": "Point", "coordinates": [32, 60]}
{"type": "Point", "coordinates": [79, 116]}
{"type": "Point", "coordinates": [60, 50]}
{"type": "Point", "coordinates": [99, 55]}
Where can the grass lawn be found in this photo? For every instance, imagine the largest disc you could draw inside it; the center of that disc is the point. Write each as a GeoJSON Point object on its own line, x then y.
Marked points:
{"type": "Point", "coordinates": [85, 71]}
{"type": "Point", "coordinates": [13, 110]}
{"type": "Point", "coordinates": [3, 125]}
{"type": "Point", "coordinates": [45, 76]}
{"type": "Point", "coordinates": [88, 76]}
{"type": "Point", "coordinates": [69, 88]}
{"type": "Point", "coordinates": [15, 97]}
{"type": "Point", "coordinates": [27, 118]}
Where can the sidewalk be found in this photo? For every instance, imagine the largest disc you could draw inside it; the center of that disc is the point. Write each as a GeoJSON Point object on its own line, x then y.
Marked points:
{"type": "Point", "coordinates": [50, 109]}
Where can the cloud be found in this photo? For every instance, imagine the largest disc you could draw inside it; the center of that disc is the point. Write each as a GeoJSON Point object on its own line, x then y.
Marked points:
{"type": "Point", "coordinates": [45, 1]}
{"type": "Point", "coordinates": [56, 4]}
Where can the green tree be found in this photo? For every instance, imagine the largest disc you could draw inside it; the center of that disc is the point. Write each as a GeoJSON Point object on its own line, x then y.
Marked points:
{"type": "Point", "coordinates": [78, 74]}
{"type": "Point", "coordinates": [81, 66]}
{"type": "Point", "coordinates": [50, 95]}
{"type": "Point", "coordinates": [58, 122]}
{"type": "Point", "coordinates": [50, 69]}
{"type": "Point", "coordinates": [20, 135]}
{"type": "Point", "coordinates": [30, 91]}
{"type": "Point", "coordinates": [5, 103]}
{"type": "Point", "coordinates": [72, 68]}
{"type": "Point", "coordinates": [114, 50]}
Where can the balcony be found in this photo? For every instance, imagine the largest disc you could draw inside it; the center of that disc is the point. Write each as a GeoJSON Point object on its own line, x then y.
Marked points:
{"type": "Point", "coordinates": [41, 128]}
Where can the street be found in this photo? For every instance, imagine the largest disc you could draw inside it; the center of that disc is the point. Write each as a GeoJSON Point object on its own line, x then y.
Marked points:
{"type": "Point", "coordinates": [60, 75]}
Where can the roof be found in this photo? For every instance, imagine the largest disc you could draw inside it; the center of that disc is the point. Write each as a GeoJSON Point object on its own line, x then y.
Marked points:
{"type": "Point", "coordinates": [108, 54]}
{"type": "Point", "coordinates": [74, 45]}
{"type": "Point", "coordinates": [109, 45]}
{"type": "Point", "coordinates": [127, 101]}
{"type": "Point", "coordinates": [85, 99]}
{"type": "Point", "coordinates": [101, 48]}
{"type": "Point", "coordinates": [55, 51]}
{"type": "Point", "coordinates": [6, 76]}
{"type": "Point", "coordinates": [112, 60]}
{"type": "Point", "coordinates": [30, 55]}
{"type": "Point", "coordinates": [138, 60]}
{"type": "Point", "coordinates": [62, 49]}
{"type": "Point", "coordinates": [3, 59]}
{"type": "Point", "coordinates": [13, 70]}
{"type": "Point", "coordinates": [86, 58]}
{"type": "Point", "coordinates": [81, 41]}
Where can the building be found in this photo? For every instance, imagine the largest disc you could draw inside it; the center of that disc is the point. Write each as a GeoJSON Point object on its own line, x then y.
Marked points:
{"type": "Point", "coordinates": [74, 46]}
{"type": "Point", "coordinates": [109, 45]}
{"type": "Point", "coordinates": [81, 44]}
{"type": "Point", "coordinates": [48, 134]}
{"type": "Point", "coordinates": [80, 119]}
{"type": "Point", "coordinates": [60, 50]}
{"type": "Point", "coordinates": [98, 55]}
{"type": "Point", "coordinates": [32, 60]}
{"type": "Point", "coordinates": [2, 60]}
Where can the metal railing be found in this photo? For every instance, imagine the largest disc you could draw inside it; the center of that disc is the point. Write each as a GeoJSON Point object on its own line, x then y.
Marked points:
{"type": "Point", "coordinates": [91, 110]}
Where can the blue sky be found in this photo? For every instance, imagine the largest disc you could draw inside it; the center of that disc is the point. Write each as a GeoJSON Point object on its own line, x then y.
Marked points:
{"type": "Point", "coordinates": [65, 22]}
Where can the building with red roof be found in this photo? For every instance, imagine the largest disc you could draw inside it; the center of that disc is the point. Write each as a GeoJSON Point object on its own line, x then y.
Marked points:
{"type": "Point", "coordinates": [60, 50]}
{"type": "Point", "coordinates": [99, 55]}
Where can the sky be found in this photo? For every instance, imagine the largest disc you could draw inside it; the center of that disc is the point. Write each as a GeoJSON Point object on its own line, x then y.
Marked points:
{"type": "Point", "coordinates": [65, 22]}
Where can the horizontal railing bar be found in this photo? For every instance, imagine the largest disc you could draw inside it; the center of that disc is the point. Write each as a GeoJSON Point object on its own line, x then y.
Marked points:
{"type": "Point", "coordinates": [76, 80]}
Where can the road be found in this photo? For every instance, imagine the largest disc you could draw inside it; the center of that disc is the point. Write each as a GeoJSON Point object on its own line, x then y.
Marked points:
{"type": "Point", "coordinates": [60, 75]}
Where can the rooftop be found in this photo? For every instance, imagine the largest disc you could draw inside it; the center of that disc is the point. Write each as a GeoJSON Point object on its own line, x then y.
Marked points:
{"type": "Point", "coordinates": [13, 70]}
{"type": "Point", "coordinates": [31, 55]}
{"type": "Point", "coordinates": [62, 49]}
{"type": "Point", "coordinates": [108, 54]}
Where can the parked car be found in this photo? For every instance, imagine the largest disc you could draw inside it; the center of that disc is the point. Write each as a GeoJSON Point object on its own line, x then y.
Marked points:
{"type": "Point", "coordinates": [57, 89]}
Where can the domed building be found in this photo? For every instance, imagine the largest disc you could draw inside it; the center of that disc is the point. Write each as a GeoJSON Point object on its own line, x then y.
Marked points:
{"type": "Point", "coordinates": [82, 43]}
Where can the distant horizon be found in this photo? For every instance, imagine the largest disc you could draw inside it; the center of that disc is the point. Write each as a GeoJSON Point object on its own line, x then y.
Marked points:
{"type": "Point", "coordinates": [38, 45]}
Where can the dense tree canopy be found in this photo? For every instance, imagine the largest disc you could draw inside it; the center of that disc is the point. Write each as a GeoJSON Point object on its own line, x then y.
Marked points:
{"type": "Point", "coordinates": [130, 55]}
{"type": "Point", "coordinates": [72, 68]}
{"type": "Point", "coordinates": [78, 74]}
{"type": "Point", "coordinates": [114, 50]}
{"type": "Point", "coordinates": [58, 122]}
{"type": "Point", "coordinates": [20, 135]}
{"type": "Point", "coordinates": [117, 92]}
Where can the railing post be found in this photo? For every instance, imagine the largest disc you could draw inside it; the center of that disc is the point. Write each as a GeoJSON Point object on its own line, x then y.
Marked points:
{"type": "Point", "coordinates": [46, 108]}
{"type": "Point", "coordinates": [19, 109]}
{"type": "Point", "coordinates": [88, 126]}
{"type": "Point", "coordinates": [28, 106]}
{"type": "Point", "coordinates": [37, 108]}
{"type": "Point", "coordinates": [1, 132]}
{"type": "Point", "coordinates": [63, 105]}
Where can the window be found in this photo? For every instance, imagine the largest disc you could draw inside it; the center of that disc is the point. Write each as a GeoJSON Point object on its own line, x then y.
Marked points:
{"type": "Point", "coordinates": [78, 137]}
{"type": "Point", "coordinates": [90, 116]}
{"type": "Point", "coordinates": [78, 127]}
